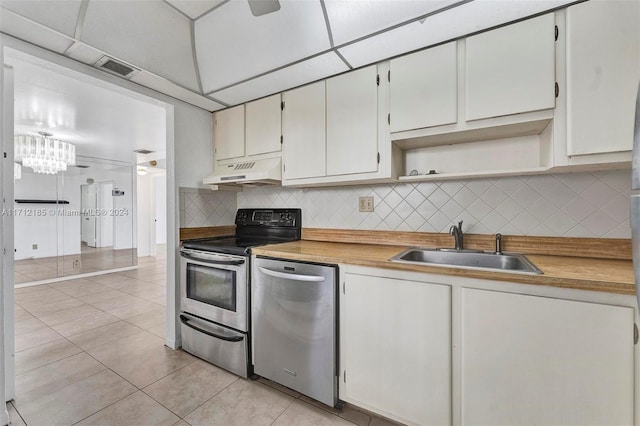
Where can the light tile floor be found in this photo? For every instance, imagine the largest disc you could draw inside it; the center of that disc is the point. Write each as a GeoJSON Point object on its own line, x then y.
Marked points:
{"type": "Point", "coordinates": [91, 352]}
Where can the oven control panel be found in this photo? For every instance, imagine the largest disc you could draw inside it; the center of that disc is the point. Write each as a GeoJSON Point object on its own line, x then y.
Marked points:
{"type": "Point", "coordinates": [269, 217]}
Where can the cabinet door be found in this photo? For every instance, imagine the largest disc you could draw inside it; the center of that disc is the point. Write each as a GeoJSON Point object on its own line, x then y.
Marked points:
{"type": "Point", "coordinates": [423, 89]}
{"type": "Point", "coordinates": [603, 68]}
{"type": "Point", "coordinates": [228, 133]}
{"type": "Point", "coordinates": [263, 125]}
{"type": "Point", "coordinates": [397, 347]}
{"type": "Point", "coordinates": [538, 361]}
{"type": "Point", "coordinates": [303, 128]}
{"type": "Point", "coordinates": [352, 122]}
{"type": "Point", "coordinates": [511, 69]}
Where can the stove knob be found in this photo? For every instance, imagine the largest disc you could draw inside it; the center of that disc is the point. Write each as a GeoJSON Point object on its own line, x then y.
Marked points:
{"type": "Point", "coordinates": [288, 216]}
{"type": "Point", "coordinates": [281, 216]}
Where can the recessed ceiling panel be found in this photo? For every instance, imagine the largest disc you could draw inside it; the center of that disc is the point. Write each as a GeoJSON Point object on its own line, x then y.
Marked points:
{"type": "Point", "coordinates": [304, 72]}
{"type": "Point", "coordinates": [101, 122]}
{"type": "Point", "coordinates": [451, 24]}
{"type": "Point", "coordinates": [354, 19]}
{"type": "Point", "coordinates": [55, 14]}
{"type": "Point", "coordinates": [233, 45]}
{"type": "Point", "coordinates": [164, 86]}
{"type": "Point", "coordinates": [195, 8]}
{"type": "Point", "coordinates": [147, 34]}
{"type": "Point", "coordinates": [25, 29]}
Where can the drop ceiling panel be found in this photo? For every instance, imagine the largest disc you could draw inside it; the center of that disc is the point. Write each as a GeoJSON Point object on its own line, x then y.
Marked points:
{"type": "Point", "coordinates": [58, 15]}
{"type": "Point", "coordinates": [233, 45]}
{"type": "Point", "coordinates": [148, 34]}
{"type": "Point", "coordinates": [451, 24]}
{"type": "Point", "coordinates": [195, 8]}
{"type": "Point", "coordinates": [83, 53]}
{"type": "Point", "coordinates": [354, 19]}
{"type": "Point", "coordinates": [25, 29]}
{"type": "Point", "coordinates": [164, 86]}
{"type": "Point", "coordinates": [295, 75]}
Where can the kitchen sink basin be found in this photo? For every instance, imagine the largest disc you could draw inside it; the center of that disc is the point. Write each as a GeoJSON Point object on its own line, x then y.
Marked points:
{"type": "Point", "coordinates": [507, 262]}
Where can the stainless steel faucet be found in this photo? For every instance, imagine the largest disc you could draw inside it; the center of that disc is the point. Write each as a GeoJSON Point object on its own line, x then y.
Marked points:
{"type": "Point", "coordinates": [456, 231]}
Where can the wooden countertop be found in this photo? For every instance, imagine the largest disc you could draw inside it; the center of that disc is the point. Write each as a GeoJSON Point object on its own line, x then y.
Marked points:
{"type": "Point", "coordinates": [607, 275]}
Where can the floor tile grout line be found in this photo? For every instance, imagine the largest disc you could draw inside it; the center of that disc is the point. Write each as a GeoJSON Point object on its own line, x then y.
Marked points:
{"type": "Point", "coordinates": [283, 411]}
{"type": "Point", "coordinates": [18, 412]}
{"type": "Point", "coordinates": [67, 385]}
{"type": "Point", "coordinates": [48, 363]}
{"type": "Point", "coordinates": [213, 396]}
{"type": "Point", "coordinates": [107, 406]}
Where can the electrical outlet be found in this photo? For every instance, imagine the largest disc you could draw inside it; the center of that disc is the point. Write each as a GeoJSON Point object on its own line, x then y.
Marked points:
{"type": "Point", "coordinates": [365, 204]}
{"type": "Point", "coordinates": [76, 263]}
{"type": "Point", "coordinates": [34, 247]}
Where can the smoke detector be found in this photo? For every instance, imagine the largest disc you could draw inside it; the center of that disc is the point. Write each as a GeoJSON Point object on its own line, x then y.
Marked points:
{"type": "Point", "coordinates": [116, 67]}
{"type": "Point", "coordinates": [143, 151]}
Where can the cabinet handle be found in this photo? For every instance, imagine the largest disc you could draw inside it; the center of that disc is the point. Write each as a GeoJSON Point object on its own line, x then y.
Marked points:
{"type": "Point", "coordinates": [635, 333]}
{"type": "Point", "coordinates": [557, 89]}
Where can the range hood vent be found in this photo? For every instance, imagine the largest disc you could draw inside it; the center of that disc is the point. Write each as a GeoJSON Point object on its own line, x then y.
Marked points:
{"type": "Point", "coordinates": [116, 67]}
{"type": "Point", "coordinates": [250, 173]}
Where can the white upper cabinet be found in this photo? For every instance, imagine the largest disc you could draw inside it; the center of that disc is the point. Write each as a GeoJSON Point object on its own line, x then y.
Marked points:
{"type": "Point", "coordinates": [511, 70]}
{"type": "Point", "coordinates": [263, 125]}
{"type": "Point", "coordinates": [352, 122]}
{"type": "Point", "coordinates": [228, 133]}
{"type": "Point", "coordinates": [603, 70]}
{"type": "Point", "coordinates": [530, 360]}
{"type": "Point", "coordinates": [423, 89]}
{"type": "Point", "coordinates": [396, 348]}
{"type": "Point", "coordinates": [303, 128]}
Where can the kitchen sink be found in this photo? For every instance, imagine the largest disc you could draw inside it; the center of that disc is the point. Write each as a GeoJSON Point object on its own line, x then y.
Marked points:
{"type": "Point", "coordinates": [471, 259]}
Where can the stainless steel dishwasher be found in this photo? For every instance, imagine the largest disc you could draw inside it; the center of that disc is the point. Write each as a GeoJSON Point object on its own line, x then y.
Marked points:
{"type": "Point", "coordinates": [294, 326]}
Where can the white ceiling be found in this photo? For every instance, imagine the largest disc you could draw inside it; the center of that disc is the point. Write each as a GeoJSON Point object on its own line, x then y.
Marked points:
{"type": "Point", "coordinates": [100, 121]}
{"type": "Point", "coordinates": [215, 53]}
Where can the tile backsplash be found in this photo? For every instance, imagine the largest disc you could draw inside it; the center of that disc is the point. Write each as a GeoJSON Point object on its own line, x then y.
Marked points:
{"type": "Point", "coordinates": [203, 207]}
{"type": "Point", "coordinates": [568, 205]}
{"type": "Point", "coordinates": [560, 205]}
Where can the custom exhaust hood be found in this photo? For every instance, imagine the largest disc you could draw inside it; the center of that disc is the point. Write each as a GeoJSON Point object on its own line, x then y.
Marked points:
{"type": "Point", "coordinates": [263, 172]}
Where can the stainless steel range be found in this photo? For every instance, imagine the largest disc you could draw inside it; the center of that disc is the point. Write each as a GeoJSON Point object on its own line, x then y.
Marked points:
{"type": "Point", "coordinates": [215, 287]}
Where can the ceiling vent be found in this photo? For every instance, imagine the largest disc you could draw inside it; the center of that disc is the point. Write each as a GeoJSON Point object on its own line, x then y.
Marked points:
{"type": "Point", "coordinates": [116, 67]}
{"type": "Point", "coordinates": [143, 151]}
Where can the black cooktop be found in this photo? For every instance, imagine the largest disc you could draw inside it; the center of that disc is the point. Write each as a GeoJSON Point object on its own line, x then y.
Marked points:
{"type": "Point", "coordinates": [254, 227]}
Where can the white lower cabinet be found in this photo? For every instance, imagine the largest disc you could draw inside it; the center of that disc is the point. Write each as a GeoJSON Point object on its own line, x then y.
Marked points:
{"type": "Point", "coordinates": [396, 348]}
{"type": "Point", "coordinates": [529, 360]}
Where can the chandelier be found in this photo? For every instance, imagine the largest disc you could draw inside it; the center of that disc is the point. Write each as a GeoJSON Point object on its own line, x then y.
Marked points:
{"type": "Point", "coordinates": [44, 154]}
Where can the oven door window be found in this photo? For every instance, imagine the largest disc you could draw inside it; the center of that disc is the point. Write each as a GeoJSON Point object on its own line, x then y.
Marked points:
{"type": "Point", "coordinates": [212, 286]}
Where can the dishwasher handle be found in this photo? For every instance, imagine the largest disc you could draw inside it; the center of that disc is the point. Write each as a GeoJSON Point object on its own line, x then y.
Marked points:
{"type": "Point", "coordinates": [293, 277]}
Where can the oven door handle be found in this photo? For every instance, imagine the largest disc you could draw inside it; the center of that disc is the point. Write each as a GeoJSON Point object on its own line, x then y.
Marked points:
{"type": "Point", "coordinates": [186, 322]}
{"type": "Point", "coordinates": [293, 277]}
{"type": "Point", "coordinates": [213, 262]}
